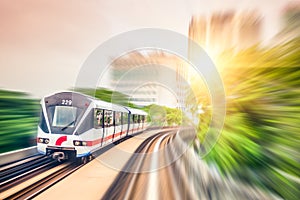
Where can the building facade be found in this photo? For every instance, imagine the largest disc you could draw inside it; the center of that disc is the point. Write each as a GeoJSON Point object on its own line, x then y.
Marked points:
{"type": "Point", "coordinates": [150, 77]}
{"type": "Point", "coordinates": [226, 30]}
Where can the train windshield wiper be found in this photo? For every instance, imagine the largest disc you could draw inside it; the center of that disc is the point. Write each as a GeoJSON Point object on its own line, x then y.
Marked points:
{"type": "Point", "coordinates": [67, 126]}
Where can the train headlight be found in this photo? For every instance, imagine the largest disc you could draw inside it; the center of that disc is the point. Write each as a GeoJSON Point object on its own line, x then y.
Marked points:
{"type": "Point", "coordinates": [77, 143]}
{"type": "Point", "coordinates": [80, 143]}
{"type": "Point", "coordinates": [84, 143]}
{"type": "Point", "coordinates": [40, 140]}
{"type": "Point", "coordinates": [43, 140]}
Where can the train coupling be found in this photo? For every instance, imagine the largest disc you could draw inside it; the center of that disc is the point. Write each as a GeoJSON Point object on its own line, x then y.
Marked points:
{"type": "Point", "coordinates": [59, 156]}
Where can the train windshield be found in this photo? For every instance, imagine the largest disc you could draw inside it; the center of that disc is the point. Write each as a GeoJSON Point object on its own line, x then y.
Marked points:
{"type": "Point", "coordinates": [64, 111]}
{"type": "Point", "coordinates": [64, 119]}
{"type": "Point", "coordinates": [64, 116]}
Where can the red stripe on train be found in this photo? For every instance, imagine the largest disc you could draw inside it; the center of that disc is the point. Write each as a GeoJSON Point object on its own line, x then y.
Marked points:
{"type": "Point", "coordinates": [60, 140]}
{"type": "Point", "coordinates": [98, 141]}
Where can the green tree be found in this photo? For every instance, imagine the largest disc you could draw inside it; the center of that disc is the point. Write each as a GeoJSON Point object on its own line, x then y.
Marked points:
{"type": "Point", "coordinates": [18, 120]}
{"type": "Point", "coordinates": [260, 140]}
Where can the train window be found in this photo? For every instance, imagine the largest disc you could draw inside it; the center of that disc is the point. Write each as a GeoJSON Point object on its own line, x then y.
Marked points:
{"type": "Point", "coordinates": [143, 118]}
{"type": "Point", "coordinates": [98, 118]}
{"type": "Point", "coordinates": [42, 123]}
{"type": "Point", "coordinates": [108, 118]}
{"type": "Point", "coordinates": [139, 119]}
{"type": "Point", "coordinates": [118, 116]}
{"type": "Point", "coordinates": [131, 118]}
{"type": "Point", "coordinates": [135, 118]}
{"type": "Point", "coordinates": [122, 118]}
{"type": "Point", "coordinates": [125, 118]}
{"type": "Point", "coordinates": [87, 123]}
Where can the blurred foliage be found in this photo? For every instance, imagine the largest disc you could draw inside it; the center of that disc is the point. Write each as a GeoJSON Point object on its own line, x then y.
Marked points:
{"type": "Point", "coordinates": [260, 141]}
{"type": "Point", "coordinates": [174, 116]}
{"type": "Point", "coordinates": [194, 98]}
{"type": "Point", "coordinates": [18, 120]}
{"type": "Point", "coordinates": [163, 116]}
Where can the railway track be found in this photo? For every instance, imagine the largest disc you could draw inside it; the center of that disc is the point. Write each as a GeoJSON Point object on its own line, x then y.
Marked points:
{"type": "Point", "coordinates": [133, 185]}
{"type": "Point", "coordinates": [26, 178]}
{"type": "Point", "coordinates": [175, 173]}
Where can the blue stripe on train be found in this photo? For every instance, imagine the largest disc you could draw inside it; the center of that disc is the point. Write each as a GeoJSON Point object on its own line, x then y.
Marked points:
{"type": "Point", "coordinates": [82, 155]}
{"type": "Point", "coordinates": [41, 152]}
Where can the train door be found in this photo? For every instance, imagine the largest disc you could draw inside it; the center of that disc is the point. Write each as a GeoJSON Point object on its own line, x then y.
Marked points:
{"type": "Point", "coordinates": [143, 121]}
{"type": "Point", "coordinates": [131, 123]}
{"type": "Point", "coordinates": [135, 123]}
{"type": "Point", "coordinates": [118, 124]}
{"type": "Point", "coordinates": [98, 125]}
{"type": "Point", "coordinates": [139, 122]}
{"type": "Point", "coordinates": [125, 125]}
{"type": "Point", "coordinates": [108, 126]}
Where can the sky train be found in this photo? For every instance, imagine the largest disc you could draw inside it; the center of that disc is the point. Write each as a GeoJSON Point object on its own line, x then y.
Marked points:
{"type": "Point", "coordinates": [73, 125]}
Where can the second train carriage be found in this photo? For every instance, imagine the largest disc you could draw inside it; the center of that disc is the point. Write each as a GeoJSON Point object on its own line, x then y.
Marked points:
{"type": "Point", "coordinates": [76, 125]}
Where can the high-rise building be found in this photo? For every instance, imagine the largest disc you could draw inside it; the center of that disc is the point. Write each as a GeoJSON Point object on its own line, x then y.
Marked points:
{"type": "Point", "coordinates": [290, 23]}
{"type": "Point", "coordinates": [248, 29]}
{"type": "Point", "coordinates": [197, 30]}
{"type": "Point", "coordinates": [221, 31]}
{"type": "Point", "coordinates": [225, 30]}
{"type": "Point", "coordinates": [150, 77]}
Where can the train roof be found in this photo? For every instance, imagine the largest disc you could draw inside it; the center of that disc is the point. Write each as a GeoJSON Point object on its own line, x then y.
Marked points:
{"type": "Point", "coordinates": [109, 106]}
{"type": "Point", "coordinates": [136, 111]}
{"type": "Point", "coordinates": [101, 104]}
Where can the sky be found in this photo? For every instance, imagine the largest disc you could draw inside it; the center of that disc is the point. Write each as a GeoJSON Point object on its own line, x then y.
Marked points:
{"type": "Point", "coordinates": [43, 44]}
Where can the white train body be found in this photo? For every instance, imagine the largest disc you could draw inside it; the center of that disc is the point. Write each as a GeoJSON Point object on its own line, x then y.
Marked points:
{"type": "Point", "coordinates": [76, 125]}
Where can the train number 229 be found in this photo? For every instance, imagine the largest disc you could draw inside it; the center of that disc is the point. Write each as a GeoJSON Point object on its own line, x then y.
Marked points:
{"type": "Point", "coordinates": [66, 102]}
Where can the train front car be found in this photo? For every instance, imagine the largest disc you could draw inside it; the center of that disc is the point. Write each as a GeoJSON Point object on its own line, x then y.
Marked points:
{"type": "Point", "coordinates": [63, 117]}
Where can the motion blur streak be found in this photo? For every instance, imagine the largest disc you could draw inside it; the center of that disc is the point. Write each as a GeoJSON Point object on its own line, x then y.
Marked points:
{"type": "Point", "coordinates": [18, 119]}
{"type": "Point", "coordinates": [186, 178]}
{"type": "Point", "coordinates": [259, 144]}
{"type": "Point", "coordinates": [153, 177]}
